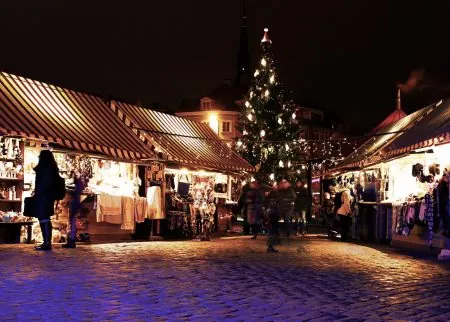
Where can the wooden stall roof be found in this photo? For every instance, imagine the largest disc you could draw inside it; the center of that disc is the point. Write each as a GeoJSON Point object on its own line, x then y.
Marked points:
{"type": "Point", "coordinates": [183, 141]}
{"type": "Point", "coordinates": [367, 152]}
{"type": "Point", "coordinates": [433, 129]}
{"type": "Point", "coordinates": [68, 118]}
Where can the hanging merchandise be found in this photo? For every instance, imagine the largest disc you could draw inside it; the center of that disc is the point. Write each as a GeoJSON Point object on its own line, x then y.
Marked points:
{"type": "Point", "coordinates": [183, 185]}
{"type": "Point", "coordinates": [429, 217]}
{"type": "Point", "coordinates": [417, 170]}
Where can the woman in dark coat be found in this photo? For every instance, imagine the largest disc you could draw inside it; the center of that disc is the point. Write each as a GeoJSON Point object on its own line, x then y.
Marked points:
{"type": "Point", "coordinates": [46, 172]}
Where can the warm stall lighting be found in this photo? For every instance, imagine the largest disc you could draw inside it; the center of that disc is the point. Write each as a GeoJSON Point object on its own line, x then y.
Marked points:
{"type": "Point", "coordinates": [213, 122]}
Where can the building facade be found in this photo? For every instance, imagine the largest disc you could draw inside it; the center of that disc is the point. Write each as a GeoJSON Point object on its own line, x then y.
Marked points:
{"type": "Point", "coordinates": [219, 108]}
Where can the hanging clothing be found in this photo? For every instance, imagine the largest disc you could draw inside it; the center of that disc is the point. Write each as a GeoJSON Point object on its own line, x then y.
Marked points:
{"type": "Point", "coordinates": [154, 203]}
{"type": "Point", "coordinates": [141, 209]}
{"type": "Point", "coordinates": [109, 209]}
{"type": "Point", "coordinates": [429, 216]}
{"type": "Point", "coordinates": [128, 208]}
{"type": "Point", "coordinates": [422, 211]}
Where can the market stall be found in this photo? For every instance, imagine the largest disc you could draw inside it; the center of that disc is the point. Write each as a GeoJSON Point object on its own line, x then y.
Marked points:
{"type": "Point", "coordinates": [201, 173]}
{"type": "Point", "coordinates": [82, 132]}
{"type": "Point", "coordinates": [123, 151]}
{"type": "Point", "coordinates": [416, 165]}
{"type": "Point", "coordinates": [404, 182]}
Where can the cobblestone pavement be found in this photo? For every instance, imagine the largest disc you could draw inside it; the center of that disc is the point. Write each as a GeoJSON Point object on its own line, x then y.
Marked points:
{"type": "Point", "coordinates": [229, 279]}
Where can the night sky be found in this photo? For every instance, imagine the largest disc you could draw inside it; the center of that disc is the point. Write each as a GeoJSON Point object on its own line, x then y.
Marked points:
{"type": "Point", "coordinates": [345, 57]}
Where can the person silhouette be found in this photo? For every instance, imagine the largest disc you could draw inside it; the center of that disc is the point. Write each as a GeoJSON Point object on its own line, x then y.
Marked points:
{"type": "Point", "coordinates": [46, 173]}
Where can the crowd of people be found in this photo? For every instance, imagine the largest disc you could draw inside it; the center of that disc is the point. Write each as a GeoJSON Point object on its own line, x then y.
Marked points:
{"type": "Point", "coordinates": [263, 207]}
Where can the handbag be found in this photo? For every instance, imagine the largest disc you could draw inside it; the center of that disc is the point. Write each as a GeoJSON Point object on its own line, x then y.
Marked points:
{"type": "Point", "coordinates": [183, 187]}
{"type": "Point", "coordinates": [29, 206]}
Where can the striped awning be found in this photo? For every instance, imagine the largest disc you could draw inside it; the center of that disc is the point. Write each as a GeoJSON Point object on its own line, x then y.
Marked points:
{"type": "Point", "coordinates": [434, 129]}
{"type": "Point", "coordinates": [70, 119]}
{"type": "Point", "coordinates": [371, 151]}
{"type": "Point", "coordinates": [183, 141]}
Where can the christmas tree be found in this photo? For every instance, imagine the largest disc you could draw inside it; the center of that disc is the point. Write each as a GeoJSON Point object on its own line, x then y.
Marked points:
{"type": "Point", "coordinates": [270, 127]}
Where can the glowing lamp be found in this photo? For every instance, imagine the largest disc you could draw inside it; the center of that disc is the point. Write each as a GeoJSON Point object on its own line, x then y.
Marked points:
{"type": "Point", "coordinates": [213, 122]}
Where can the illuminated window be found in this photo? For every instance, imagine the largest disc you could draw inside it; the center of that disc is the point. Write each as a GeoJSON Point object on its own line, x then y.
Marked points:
{"type": "Point", "coordinates": [226, 126]}
{"type": "Point", "coordinates": [206, 106]}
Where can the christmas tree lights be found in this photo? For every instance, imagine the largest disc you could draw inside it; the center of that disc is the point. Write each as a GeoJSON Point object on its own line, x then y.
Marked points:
{"type": "Point", "coordinates": [270, 128]}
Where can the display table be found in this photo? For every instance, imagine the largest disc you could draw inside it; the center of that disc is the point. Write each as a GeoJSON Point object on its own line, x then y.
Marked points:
{"type": "Point", "coordinates": [10, 231]}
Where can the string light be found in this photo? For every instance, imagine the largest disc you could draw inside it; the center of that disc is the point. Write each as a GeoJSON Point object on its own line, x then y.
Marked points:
{"type": "Point", "coordinates": [263, 62]}
{"type": "Point", "coordinates": [281, 164]}
{"type": "Point", "coordinates": [247, 103]}
{"type": "Point", "coordinates": [272, 79]}
{"type": "Point", "coordinates": [256, 73]}
{"type": "Point", "coordinates": [250, 117]}
{"type": "Point", "coordinates": [263, 133]}
{"type": "Point", "coordinates": [280, 121]}
{"type": "Point", "coordinates": [266, 93]}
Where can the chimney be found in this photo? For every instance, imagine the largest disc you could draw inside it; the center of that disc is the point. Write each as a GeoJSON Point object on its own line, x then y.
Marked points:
{"type": "Point", "coordinates": [399, 102]}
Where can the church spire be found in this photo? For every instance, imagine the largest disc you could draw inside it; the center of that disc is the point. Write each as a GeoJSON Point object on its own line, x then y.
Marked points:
{"type": "Point", "coordinates": [243, 72]}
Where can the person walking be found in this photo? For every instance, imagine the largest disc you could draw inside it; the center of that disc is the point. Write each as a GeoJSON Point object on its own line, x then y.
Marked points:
{"type": "Point", "coordinates": [80, 182]}
{"type": "Point", "coordinates": [287, 197]}
{"type": "Point", "coordinates": [344, 212]}
{"type": "Point", "coordinates": [273, 204]}
{"type": "Point", "coordinates": [254, 201]}
{"type": "Point", "coordinates": [302, 202]}
{"type": "Point", "coordinates": [242, 207]}
{"type": "Point", "coordinates": [46, 173]}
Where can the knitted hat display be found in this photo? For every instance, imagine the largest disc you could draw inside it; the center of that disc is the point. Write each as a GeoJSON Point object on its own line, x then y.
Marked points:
{"type": "Point", "coordinates": [417, 170]}
{"type": "Point", "coordinates": [434, 169]}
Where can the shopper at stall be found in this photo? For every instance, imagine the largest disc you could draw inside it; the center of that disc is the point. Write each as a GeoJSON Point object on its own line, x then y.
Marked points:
{"type": "Point", "coordinates": [46, 174]}
{"type": "Point", "coordinates": [254, 201]}
{"type": "Point", "coordinates": [344, 211]}
{"type": "Point", "coordinates": [287, 197]}
{"type": "Point", "coordinates": [80, 181]}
